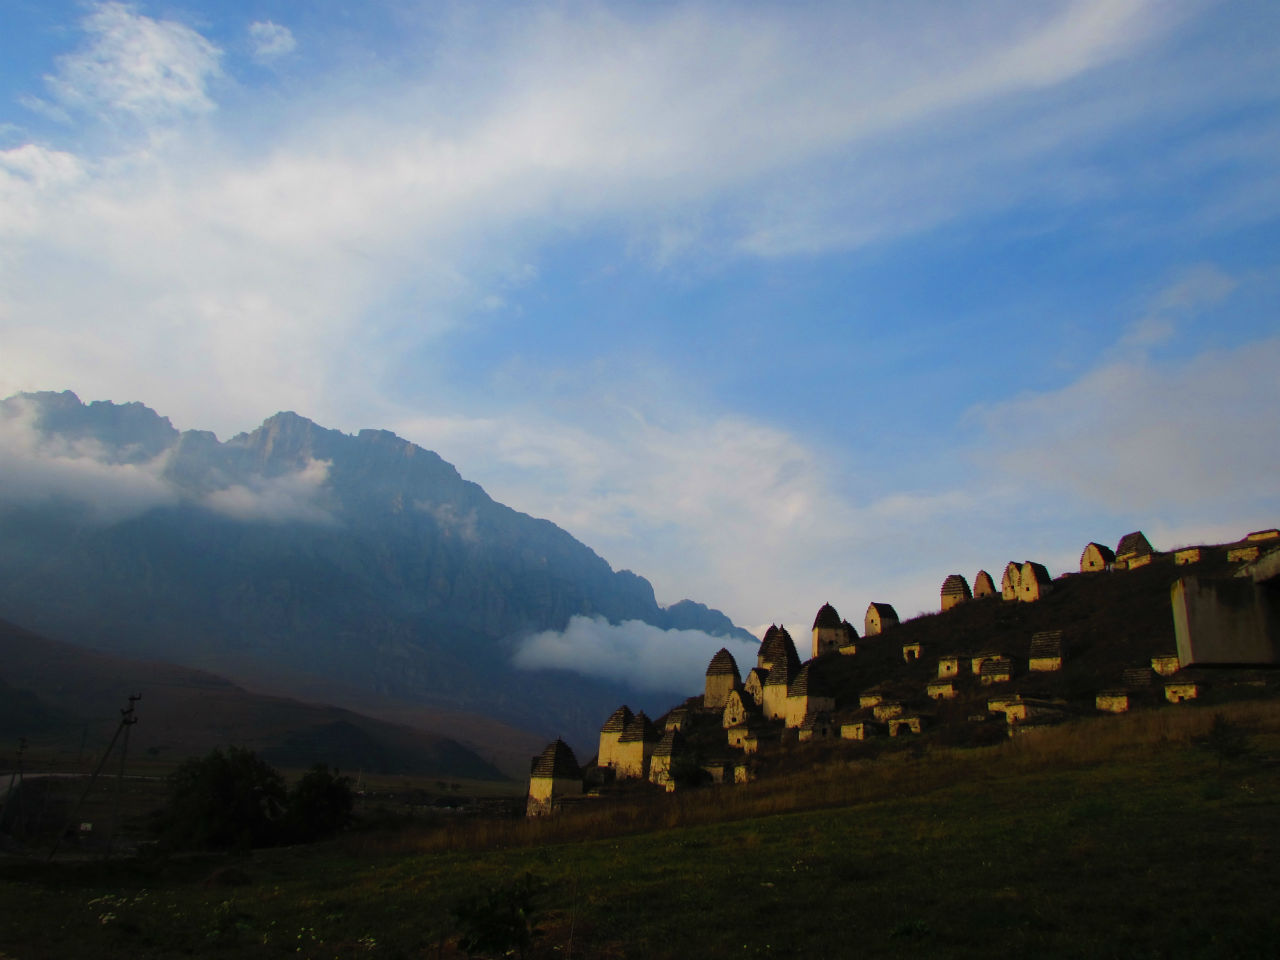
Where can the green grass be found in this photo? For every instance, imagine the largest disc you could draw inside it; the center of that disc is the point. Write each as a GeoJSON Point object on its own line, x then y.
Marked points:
{"type": "Point", "coordinates": [1113, 838]}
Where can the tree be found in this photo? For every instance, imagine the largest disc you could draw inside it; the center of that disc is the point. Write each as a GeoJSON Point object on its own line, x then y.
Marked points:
{"type": "Point", "coordinates": [1226, 740]}
{"type": "Point", "coordinates": [225, 799]}
{"type": "Point", "coordinates": [319, 805]}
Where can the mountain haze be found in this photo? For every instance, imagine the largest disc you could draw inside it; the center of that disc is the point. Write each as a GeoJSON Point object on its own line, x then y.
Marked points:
{"type": "Point", "coordinates": [357, 569]}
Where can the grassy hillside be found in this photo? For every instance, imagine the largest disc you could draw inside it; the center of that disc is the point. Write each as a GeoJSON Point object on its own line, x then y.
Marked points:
{"type": "Point", "coordinates": [1107, 837]}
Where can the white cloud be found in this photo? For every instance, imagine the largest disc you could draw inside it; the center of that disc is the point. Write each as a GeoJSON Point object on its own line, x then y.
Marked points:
{"type": "Point", "coordinates": [43, 471]}
{"type": "Point", "coordinates": [151, 69]}
{"type": "Point", "coordinates": [644, 657]}
{"type": "Point", "coordinates": [289, 498]}
{"type": "Point", "coordinates": [271, 39]}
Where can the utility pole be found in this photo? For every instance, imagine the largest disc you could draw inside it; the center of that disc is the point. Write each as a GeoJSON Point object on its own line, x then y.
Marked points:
{"type": "Point", "coordinates": [17, 774]}
{"type": "Point", "coordinates": [127, 719]}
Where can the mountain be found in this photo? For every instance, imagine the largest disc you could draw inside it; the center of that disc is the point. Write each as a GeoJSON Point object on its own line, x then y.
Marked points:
{"type": "Point", "coordinates": [353, 569]}
{"type": "Point", "coordinates": [60, 695]}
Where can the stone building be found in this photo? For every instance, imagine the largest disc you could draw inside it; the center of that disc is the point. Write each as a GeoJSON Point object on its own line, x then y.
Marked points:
{"type": "Point", "coordinates": [635, 747]}
{"type": "Point", "coordinates": [828, 631]}
{"type": "Point", "coordinates": [1258, 535]}
{"type": "Point", "coordinates": [609, 753]}
{"type": "Point", "coordinates": [665, 755]}
{"type": "Point", "coordinates": [807, 695]}
{"type": "Point", "coordinates": [888, 710]}
{"type": "Point", "coordinates": [949, 665]}
{"type": "Point", "coordinates": [738, 709]}
{"type": "Point", "coordinates": [995, 670]}
{"type": "Point", "coordinates": [1046, 651]}
{"type": "Point", "coordinates": [722, 676]}
{"type": "Point", "coordinates": [849, 647]}
{"type": "Point", "coordinates": [955, 589]}
{"type": "Point", "coordinates": [554, 774]}
{"type": "Point", "coordinates": [911, 652]}
{"type": "Point", "coordinates": [859, 729]}
{"type": "Point", "coordinates": [817, 726]}
{"type": "Point", "coordinates": [899, 725]}
{"type": "Point", "coordinates": [1181, 690]}
{"type": "Point", "coordinates": [777, 645]}
{"type": "Point", "coordinates": [776, 688]}
{"type": "Point", "coordinates": [942, 688]}
{"type": "Point", "coordinates": [1246, 554]}
{"type": "Point", "coordinates": [754, 685]}
{"type": "Point", "coordinates": [677, 719]}
{"type": "Point", "coordinates": [983, 586]}
{"type": "Point", "coordinates": [1132, 545]}
{"type": "Point", "coordinates": [880, 617]}
{"type": "Point", "coordinates": [1033, 581]}
{"type": "Point", "coordinates": [1011, 580]}
{"type": "Point", "coordinates": [978, 659]}
{"type": "Point", "coordinates": [1186, 555]}
{"type": "Point", "coordinates": [1096, 558]}
{"type": "Point", "coordinates": [1112, 701]}
{"type": "Point", "coordinates": [1166, 665]}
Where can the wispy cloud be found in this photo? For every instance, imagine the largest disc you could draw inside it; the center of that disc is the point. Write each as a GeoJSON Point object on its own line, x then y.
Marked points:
{"type": "Point", "coordinates": [130, 63]}
{"type": "Point", "coordinates": [271, 40]}
{"type": "Point", "coordinates": [297, 497]}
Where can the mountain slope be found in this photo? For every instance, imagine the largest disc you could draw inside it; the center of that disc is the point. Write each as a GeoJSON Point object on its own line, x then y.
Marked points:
{"type": "Point", "coordinates": [300, 558]}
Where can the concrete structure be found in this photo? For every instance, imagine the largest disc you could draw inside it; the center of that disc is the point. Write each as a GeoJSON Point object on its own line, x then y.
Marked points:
{"type": "Point", "coordinates": [828, 631]}
{"type": "Point", "coordinates": [554, 774]}
{"type": "Point", "coordinates": [1230, 622]}
{"type": "Point", "coordinates": [983, 586]}
{"type": "Point", "coordinates": [1033, 581]}
{"type": "Point", "coordinates": [609, 753]}
{"type": "Point", "coordinates": [1010, 581]}
{"type": "Point", "coordinates": [722, 676]}
{"type": "Point", "coordinates": [1096, 558]}
{"type": "Point", "coordinates": [955, 589]}
{"type": "Point", "coordinates": [880, 617]}
{"type": "Point", "coordinates": [1046, 651]}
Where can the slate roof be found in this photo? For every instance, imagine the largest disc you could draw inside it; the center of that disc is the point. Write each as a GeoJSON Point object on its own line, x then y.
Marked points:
{"type": "Point", "coordinates": [1046, 643]}
{"type": "Point", "coordinates": [885, 610]}
{"type": "Point", "coordinates": [670, 744]}
{"type": "Point", "coordinates": [807, 684]}
{"type": "Point", "coordinates": [1137, 678]}
{"type": "Point", "coordinates": [956, 586]}
{"type": "Point", "coordinates": [827, 617]}
{"type": "Point", "coordinates": [778, 646]}
{"type": "Point", "coordinates": [640, 728]}
{"type": "Point", "coordinates": [556, 761]}
{"type": "Point", "coordinates": [996, 665]}
{"type": "Point", "coordinates": [1133, 544]}
{"type": "Point", "coordinates": [722, 664]}
{"type": "Point", "coordinates": [1107, 554]}
{"type": "Point", "coordinates": [781, 673]}
{"type": "Point", "coordinates": [618, 720]}
{"type": "Point", "coordinates": [851, 632]}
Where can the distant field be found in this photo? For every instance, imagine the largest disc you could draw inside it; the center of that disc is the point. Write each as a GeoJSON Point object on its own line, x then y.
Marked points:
{"type": "Point", "coordinates": [1116, 837]}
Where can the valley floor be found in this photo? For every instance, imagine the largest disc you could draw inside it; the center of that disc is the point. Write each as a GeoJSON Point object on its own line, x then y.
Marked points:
{"type": "Point", "coordinates": [1118, 838]}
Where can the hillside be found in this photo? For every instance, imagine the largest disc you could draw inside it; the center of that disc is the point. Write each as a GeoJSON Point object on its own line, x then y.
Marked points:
{"type": "Point", "coordinates": [65, 701]}
{"type": "Point", "coordinates": [348, 569]}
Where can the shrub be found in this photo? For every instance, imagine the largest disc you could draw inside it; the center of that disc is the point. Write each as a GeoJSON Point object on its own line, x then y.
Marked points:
{"type": "Point", "coordinates": [319, 805]}
{"type": "Point", "coordinates": [223, 800]}
{"type": "Point", "coordinates": [502, 920]}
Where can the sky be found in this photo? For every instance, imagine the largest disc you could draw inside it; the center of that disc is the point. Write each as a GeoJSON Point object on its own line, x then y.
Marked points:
{"type": "Point", "coordinates": [773, 304]}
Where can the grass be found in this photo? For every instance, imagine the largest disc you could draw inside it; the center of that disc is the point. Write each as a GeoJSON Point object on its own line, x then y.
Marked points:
{"type": "Point", "coordinates": [1108, 838]}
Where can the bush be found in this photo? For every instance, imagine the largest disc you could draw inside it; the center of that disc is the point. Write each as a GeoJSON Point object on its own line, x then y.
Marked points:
{"type": "Point", "coordinates": [223, 800]}
{"type": "Point", "coordinates": [503, 920]}
{"type": "Point", "coordinates": [319, 805]}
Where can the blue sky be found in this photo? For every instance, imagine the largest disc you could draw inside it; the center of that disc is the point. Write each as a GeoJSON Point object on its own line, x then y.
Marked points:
{"type": "Point", "coordinates": [775, 304]}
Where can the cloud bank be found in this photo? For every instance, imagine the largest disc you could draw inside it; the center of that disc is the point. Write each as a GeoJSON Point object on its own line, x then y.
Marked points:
{"type": "Point", "coordinates": [633, 653]}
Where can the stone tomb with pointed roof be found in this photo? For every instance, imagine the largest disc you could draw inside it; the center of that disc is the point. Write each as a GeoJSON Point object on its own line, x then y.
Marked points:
{"type": "Point", "coordinates": [828, 631]}
{"type": "Point", "coordinates": [722, 676]}
{"type": "Point", "coordinates": [1033, 581]}
{"type": "Point", "coordinates": [880, 617]}
{"type": "Point", "coordinates": [666, 753]}
{"type": "Point", "coordinates": [777, 686]}
{"type": "Point", "coordinates": [754, 685]}
{"type": "Point", "coordinates": [610, 754]}
{"type": "Point", "coordinates": [983, 586]}
{"type": "Point", "coordinates": [1096, 558]}
{"type": "Point", "coordinates": [1011, 580]}
{"type": "Point", "coordinates": [955, 590]}
{"type": "Point", "coordinates": [776, 646]}
{"type": "Point", "coordinates": [635, 747]}
{"type": "Point", "coordinates": [807, 695]}
{"type": "Point", "coordinates": [1131, 546]}
{"type": "Point", "coordinates": [554, 774]}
